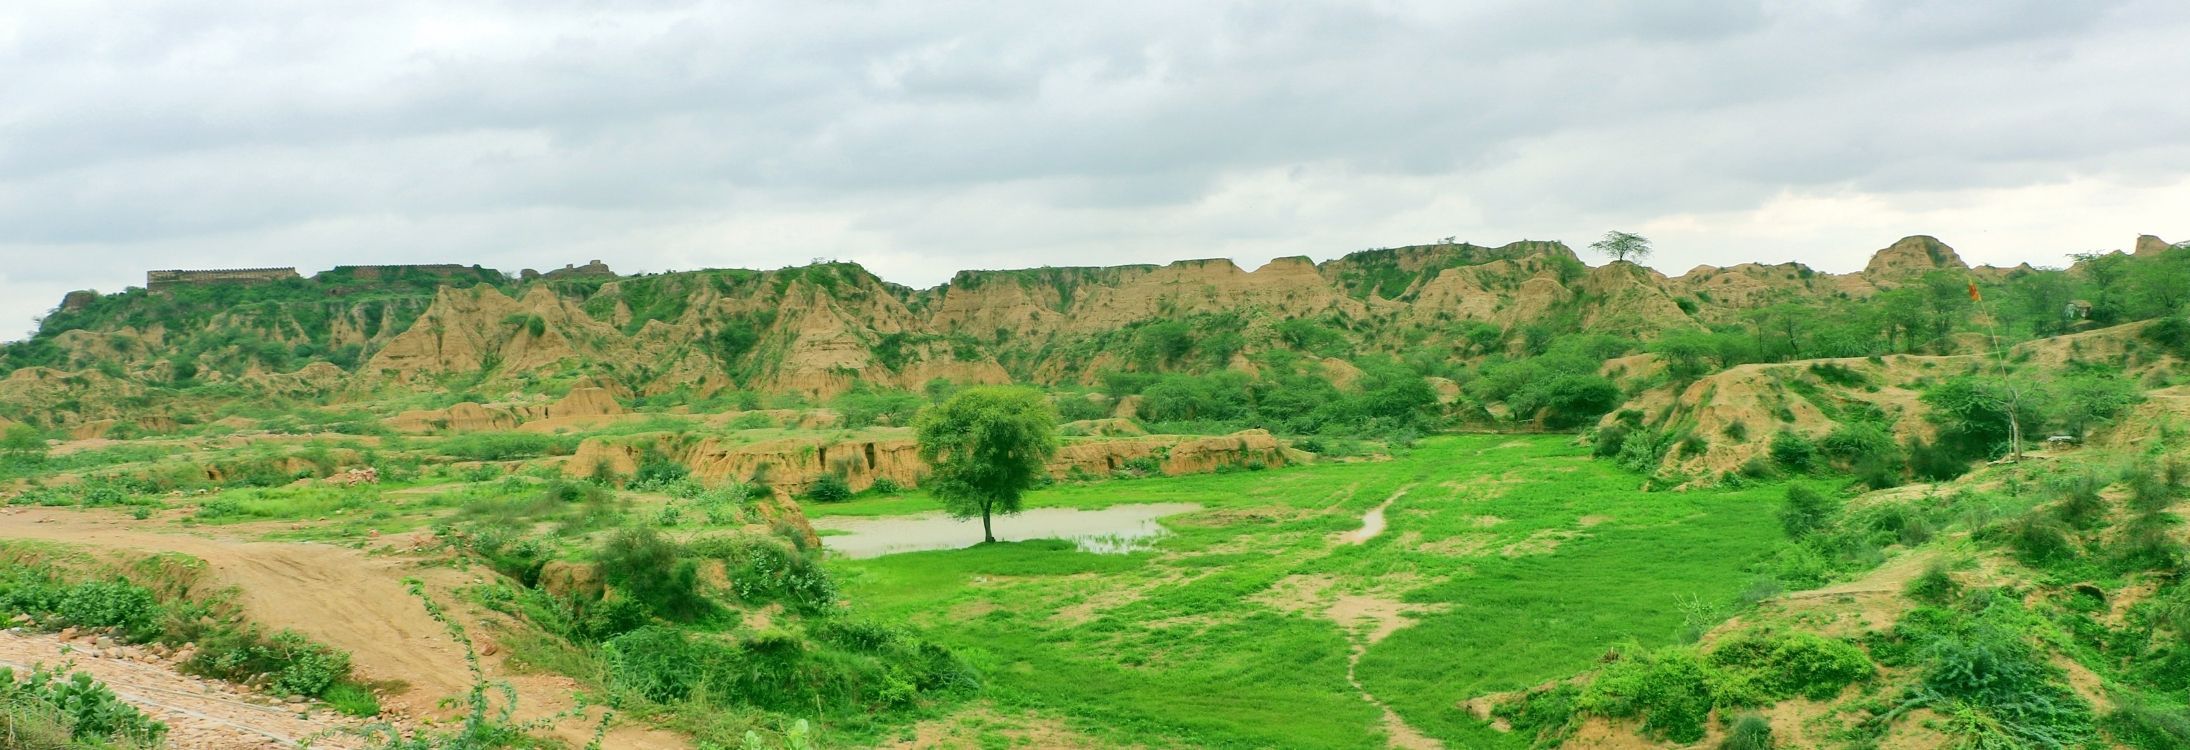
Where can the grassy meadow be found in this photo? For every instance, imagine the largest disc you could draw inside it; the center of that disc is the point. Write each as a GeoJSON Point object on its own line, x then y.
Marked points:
{"type": "Point", "coordinates": [1508, 561]}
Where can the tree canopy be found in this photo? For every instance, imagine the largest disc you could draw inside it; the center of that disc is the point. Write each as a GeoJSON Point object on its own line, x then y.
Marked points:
{"type": "Point", "coordinates": [986, 447]}
{"type": "Point", "coordinates": [1623, 245]}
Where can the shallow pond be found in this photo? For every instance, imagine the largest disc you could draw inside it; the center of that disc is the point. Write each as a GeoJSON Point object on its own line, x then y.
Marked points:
{"type": "Point", "coordinates": [1114, 530]}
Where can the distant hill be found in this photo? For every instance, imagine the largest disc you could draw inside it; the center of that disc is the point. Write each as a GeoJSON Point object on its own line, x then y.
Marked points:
{"type": "Point", "coordinates": [1448, 310]}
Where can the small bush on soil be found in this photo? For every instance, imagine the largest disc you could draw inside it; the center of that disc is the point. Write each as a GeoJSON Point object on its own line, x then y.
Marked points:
{"type": "Point", "coordinates": [43, 705]}
{"type": "Point", "coordinates": [885, 486]}
{"type": "Point", "coordinates": [1807, 510]}
{"type": "Point", "coordinates": [2079, 504]}
{"type": "Point", "coordinates": [1749, 733]}
{"type": "Point", "coordinates": [295, 664]}
{"type": "Point", "coordinates": [1793, 452]}
{"type": "Point", "coordinates": [2148, 726]}
{"type": "Point", "coordinates": [641, 564]}
{"type": "Point", "coordinates": [116, 603]}
{"type": "Point", "coordinates": [764, 570]}
{"type": "Point", "coordinates": [1977, 667]}
{"type": "Point", "coordinates": [829, 488]}
{"type": "Point", "coordinates": [656, 472]}
{"type": "Point", "coordinates": [1935, 585]}
{"type": "Point", "coordinates": [1668, 689]}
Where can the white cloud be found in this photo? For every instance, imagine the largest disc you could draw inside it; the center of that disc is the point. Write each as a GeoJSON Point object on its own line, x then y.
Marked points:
{"type": "Point", "coordinates": [920, 138]}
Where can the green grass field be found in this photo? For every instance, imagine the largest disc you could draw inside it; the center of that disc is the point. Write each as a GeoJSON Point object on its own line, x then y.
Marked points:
{"type": "Point", "coordinates": [1513, 560]}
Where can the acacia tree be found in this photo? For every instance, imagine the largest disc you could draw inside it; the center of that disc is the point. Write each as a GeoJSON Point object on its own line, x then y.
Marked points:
{"type": "Point", "coordinates": [985, 447]}
{"type": "Point", "coordinates": [1623, 246]}
{"type": "Point", "coordinates": [22, 443]}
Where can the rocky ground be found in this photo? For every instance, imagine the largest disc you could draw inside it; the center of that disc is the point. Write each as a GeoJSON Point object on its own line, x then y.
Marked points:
{"type": "Point", "coordinates": [201, 714]}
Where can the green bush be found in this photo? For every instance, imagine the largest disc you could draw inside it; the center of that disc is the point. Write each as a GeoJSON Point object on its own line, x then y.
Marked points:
{"type": "Point", "coordinates": [829, 488]}
{"type": "Point", "coordinates": [1980, 664]}
{"type": "Point", "coordinates": [763, 570]}
{"type": "Point", "coordinates": [1807, 510]}
{"type": "Point", "coordinates": [2078, 502]}
{"type": "Point", "coordinates": [1793, 452]}
{"type": "Point", "coordinates": [1765, 667]}
{"type": "Point", "coordinates": [885, 486]}
{"type": "Point", "coordinates": [1934, 586]}
{"type": "Point", "coordinates": [2148, 726]}
{"type": "Point", "coordinates": [1668, 689]}
{"type": "Point", "coordinates": [294, 664]}
{"type": "Point", "coordinates": [644, 566]}
{"type": "Point", "coordinates": [86, 709]}
{"type": "Point", "coordinates": [1750, 732]}
{"type": "Point", "coordinates": [115, 603]}
{"type": "Point", "coordinates": [657, 472]}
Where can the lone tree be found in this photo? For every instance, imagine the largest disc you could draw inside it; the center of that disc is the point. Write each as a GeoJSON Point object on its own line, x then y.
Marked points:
{"type": "Point", "coordinates": [23, 444]}
{"type": "Point", "coordinates": [1623, 245]}
{"type": "Point", "coordinates": [986, 447]}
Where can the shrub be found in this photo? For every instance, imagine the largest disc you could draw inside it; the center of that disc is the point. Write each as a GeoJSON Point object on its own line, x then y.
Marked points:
{"type": "Point", "coordinates": [763, 570]}
{"type": "Point", "coordinates": [1980, 668]}
{"type": "Point", "coordinates": [1668, 689]}
{"type": "Point", "coordinates": [1792, 451]}
{"type": "Point", "coordinates": [1545, 715]}
{"type": "Point", "coordinates": [1807, 511]}
{"type": "Point", "coordinates": [295, 664]}
{"type": "Point", "coordinates": [2147, 726]}
{"type": "Point", "coordinates": [2080, 505]}
{"type": "Point", "coordinates": [1608, 441]}
{"type": "Point", "coordinates": [45, 705]}
{"type": "Point", "coordinates": [1764, 667]}
{"type": "Point", "coordinates": [646, 567]}
{"type": "Point", "coordinates": [657, 472]}
{"type": "Point", "coordinates": [1750, 732]}
{"type": "Point", "coordinates": [885, 486]}
{"type": "Point", "coordinates": [117, 603]}
{"type": "Point", "coordinates": [829, 488]}
{"type": "Point", "coordinates": [1934, 586]}
{"type": "Point", "coordinates": [2039, 539]}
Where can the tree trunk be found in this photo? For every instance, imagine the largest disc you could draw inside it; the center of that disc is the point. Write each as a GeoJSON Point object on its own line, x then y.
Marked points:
{"type": "Point", "coordinates": [987, 535]}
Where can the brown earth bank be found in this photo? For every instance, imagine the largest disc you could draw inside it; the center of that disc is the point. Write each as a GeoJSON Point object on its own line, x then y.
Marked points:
{"type": "Point", "coordinates": [354, 600]}
{"type": "Point", "coordinates": [792, 464]}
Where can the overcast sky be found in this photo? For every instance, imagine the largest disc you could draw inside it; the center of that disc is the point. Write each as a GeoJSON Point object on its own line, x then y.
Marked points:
{"type": "Point", "coordinates": [922, 138]}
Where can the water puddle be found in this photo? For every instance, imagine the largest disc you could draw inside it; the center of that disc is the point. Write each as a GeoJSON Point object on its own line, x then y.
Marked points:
{"type": "Point", "coordinates": [1115, 530]}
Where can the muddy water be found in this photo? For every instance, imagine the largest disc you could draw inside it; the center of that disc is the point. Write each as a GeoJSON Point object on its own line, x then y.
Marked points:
{"type": "Point", "coordinates": [1113, 530]}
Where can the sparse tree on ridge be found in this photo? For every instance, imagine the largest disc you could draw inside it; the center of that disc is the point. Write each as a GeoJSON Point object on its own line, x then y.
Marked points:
{"type": "Point", "coordinates": [985, 448]}
{"type": "Point", "coordinates": [1623, 246]}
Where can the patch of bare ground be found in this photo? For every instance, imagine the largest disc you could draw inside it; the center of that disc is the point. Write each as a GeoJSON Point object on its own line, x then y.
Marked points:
{"type": "Point", "coordinates": [982, 725]}
{"type": "Point", "coordinates": [1873, 602]}
{"type": "Point", "coordinates": [347, 599]}
{"type": "Point", "coordinates": [1588, 521]}
{"type": "Point", "coordinates": [1094, 605]}
{"type": "Point", "coordinates": [1235, 517]}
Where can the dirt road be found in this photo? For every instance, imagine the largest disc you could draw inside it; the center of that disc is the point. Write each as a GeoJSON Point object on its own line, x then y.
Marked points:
{"type": "Point", "coordinates": [339, 596]}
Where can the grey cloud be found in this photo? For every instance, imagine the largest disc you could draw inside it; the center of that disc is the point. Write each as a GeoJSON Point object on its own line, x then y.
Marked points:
{"type": "Point", "coordinates": [1018, 134]}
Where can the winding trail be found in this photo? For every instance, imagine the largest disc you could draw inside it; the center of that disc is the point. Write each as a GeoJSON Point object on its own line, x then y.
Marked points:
{"type": "Point", "coordinates": [1347, 610]}
{"type": "Point", "coordinates": [1372, 523]}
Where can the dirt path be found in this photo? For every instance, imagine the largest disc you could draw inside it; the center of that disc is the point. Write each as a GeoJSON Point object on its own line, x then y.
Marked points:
{"type": "Point", "coordinates": [342, 597]}
{"type": "Point", "coordinates": [1397, 731]}
{"type": "Point", "coordinates": [1372, 523]}
{"type": "Point", "coordinates": [200, 714]}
